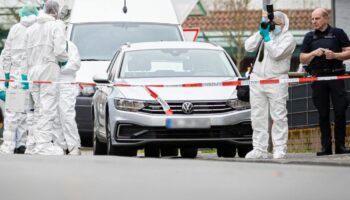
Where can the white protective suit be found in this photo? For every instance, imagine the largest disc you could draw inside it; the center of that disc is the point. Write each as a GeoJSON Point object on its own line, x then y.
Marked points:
{"type": "Point", "coordinates": [15, 130]}
{"type": "Point", "coordinates": [66, 130]}
{"type": "Point", "coordinates": [270, 99]}
{"type": "Point", "coordinates": [46, 46]}
{"type": "Point", "coordinates": [2, 87]}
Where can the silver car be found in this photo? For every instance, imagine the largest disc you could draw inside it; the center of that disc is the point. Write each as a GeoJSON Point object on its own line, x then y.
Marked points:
{"type": "Point", "coordinates": [151, 100]}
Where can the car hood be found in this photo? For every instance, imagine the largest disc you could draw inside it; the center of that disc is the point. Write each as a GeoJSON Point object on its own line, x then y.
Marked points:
{"type": "Point", "coordinates": [177, 93]}
{"type": "Point", "coordinates": [89, 68]}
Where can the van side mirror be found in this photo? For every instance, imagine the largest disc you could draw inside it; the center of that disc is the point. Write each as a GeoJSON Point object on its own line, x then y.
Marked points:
{"type": "Point", "coordinates": [101, 78]}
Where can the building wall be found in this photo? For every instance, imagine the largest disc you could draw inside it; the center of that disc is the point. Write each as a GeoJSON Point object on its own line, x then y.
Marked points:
{"type": "Point", "coordinates": [309, 139]}
{"type": "Point", "coordinates": [280, 4]}
{"type": "Point", "coordinates": [342, 8]}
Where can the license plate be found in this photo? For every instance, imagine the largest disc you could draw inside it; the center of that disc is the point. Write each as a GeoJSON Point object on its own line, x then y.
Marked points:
{"type": "Point", "coordinates": [178, 123]}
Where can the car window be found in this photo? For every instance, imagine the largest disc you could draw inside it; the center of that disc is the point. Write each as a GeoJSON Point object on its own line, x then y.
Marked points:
{"type": "Point", "coordinates": [100, 41]}
{"type": "Point", "coordinates": [111, 70]}
{"type": "Point", "coordinates": [176, 63]}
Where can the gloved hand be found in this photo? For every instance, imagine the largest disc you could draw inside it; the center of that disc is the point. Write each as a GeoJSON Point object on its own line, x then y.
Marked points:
{"type": "Point", "coordinates": [25, 85]}
{"type": "Point", "coordinates": [7, 77]}
{"type": "Point", "coordinates": [62, 64]}
{"type": "Point", "coordinates": [265, 33]}
{"type": "Point", "coordinates": [3, 95]}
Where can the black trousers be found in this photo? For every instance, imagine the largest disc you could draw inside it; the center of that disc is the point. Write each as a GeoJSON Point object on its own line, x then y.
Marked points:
{"type": "Point", "coordinates": [323, 91]}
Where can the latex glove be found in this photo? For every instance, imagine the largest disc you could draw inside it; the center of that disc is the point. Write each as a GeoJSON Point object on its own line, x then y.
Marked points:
{"type": "Point", "coordinates": [3, 95]}
{"type": "Point", "coordinates": [265, 33]}
{"type": "Point", "coordinates": [62, 64]}
{"type": "Point", "coordinates": [25, 85]}
{"type": "Point", "coordinates": [7, 77]}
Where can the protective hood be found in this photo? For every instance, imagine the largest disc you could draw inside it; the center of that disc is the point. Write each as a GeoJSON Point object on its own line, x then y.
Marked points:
{"type": "Point", "coordinates": [28, 20]}
{"type": "Point", "coordinates": [43, 17]}
{"type": "Point", "coordinates": [283, 17]}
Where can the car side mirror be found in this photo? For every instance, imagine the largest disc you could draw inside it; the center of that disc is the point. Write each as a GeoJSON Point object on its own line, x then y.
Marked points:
{"type": "Point", "coordinates": [101, 78]}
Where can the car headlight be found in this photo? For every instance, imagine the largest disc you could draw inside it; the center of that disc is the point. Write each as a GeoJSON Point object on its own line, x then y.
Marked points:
{"type": "Point", "coordinates": [129, 105]}
{"type": "Point", "coordinates": [238, 104]}
{"type": "Point", "coordinates": [87, 91]}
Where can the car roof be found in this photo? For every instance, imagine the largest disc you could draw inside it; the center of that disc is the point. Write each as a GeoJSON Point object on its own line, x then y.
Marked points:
{"type": "Point", "coordinates": [148, 11]}
{"type": "Point", "coordinates": [170, 45]}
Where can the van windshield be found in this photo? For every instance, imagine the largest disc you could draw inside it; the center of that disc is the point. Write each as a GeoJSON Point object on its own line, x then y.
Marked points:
{"type": "Point", "coordinates": [101, 41]}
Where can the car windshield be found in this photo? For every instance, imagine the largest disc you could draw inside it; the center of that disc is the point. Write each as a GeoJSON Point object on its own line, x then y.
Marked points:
{"type": "Point", "coordinates": [100, 41]}
{"type": "Point", "coordinates": [176, 63]}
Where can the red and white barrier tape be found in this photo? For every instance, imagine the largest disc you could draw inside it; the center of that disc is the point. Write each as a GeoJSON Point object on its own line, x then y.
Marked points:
{"type": "Point", "coordinates": [167, 108]}
{"type": "Point", "coordinates": [164, 104]}
{"type": "Point", "coordinates": [208, 84]}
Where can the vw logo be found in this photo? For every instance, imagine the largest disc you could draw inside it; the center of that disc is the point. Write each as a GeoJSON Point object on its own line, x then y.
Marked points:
{"type": "Point", "coordinates": [187, 107]}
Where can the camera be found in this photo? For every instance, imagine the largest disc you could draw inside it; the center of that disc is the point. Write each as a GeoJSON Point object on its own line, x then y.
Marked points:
{"type": "Point", "coordinates": [270, 16]}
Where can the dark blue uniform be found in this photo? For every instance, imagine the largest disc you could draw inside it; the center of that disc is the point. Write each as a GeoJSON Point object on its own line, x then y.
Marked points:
{"type": "Point", "coordinates": [333, 39]}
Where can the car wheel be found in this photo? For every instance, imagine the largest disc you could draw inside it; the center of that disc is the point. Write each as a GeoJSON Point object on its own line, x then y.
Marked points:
{"type": "Point", "coordinates": [99, 148]}
{"type": "Point", "coordinates": [1, 126]}
{"type": "Point", "coordinates": [226, 151]}
{"type": "Point", "coordinates": [117, 151]}
{"type": "Point", "coordinates": [242, 151]}
{"type": "Point", "coordinates": [189, 152]}
{"type": "Point", "coordinates": [152, 152]}
{"type": "Point", "coordinates": [169, 152]}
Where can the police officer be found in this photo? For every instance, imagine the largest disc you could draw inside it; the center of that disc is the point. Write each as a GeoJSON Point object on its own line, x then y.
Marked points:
{"type": "Point", "coordinates": [324, 50]}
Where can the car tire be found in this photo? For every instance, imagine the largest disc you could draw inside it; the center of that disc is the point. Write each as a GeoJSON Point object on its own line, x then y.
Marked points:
{"type": "Point", "coordinates": [171, 152]}
{"type": "Point", "coordinates": [1, 124]}
{"type": "Point", "coordinates": [152, 152]}
{"type": "Point", "coordinates": [99, 148]}
{"type": "Point", "coordinates": [226, 151]}
{"type": "Point", "coordinates": [189, 152]}
{"type": "Point", "coordinates": [242, 151]}
{"type": "Point", "coordinates": [124, 152]}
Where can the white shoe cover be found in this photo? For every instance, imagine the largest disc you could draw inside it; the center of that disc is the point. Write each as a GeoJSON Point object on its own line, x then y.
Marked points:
{"type": "Point", "coordinates": [29, 149]}
{"type": "Point", "coordinates": [256, 154]}
{"type": "Point", "coordinates": [75, 152]}
{"type": "Point", "coordinates": [7, 148]}
{"type": "Point", "coordinates": [279, 155]}
{"type": "Point", "coordinates": [47, 149]}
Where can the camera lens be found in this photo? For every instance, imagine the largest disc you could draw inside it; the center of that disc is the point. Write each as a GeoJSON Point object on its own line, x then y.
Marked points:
{"type": "Point", "coordinates": [264, 25]}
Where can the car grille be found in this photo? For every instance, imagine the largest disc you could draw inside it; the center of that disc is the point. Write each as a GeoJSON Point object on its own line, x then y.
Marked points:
{"type": "Point", "coordinates": [135, 132]}
{"type": "Point", "coordinates": [199, 107]}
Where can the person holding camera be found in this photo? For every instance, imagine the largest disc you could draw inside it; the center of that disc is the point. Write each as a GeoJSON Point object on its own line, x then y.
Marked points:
{"type": "Point", "coordinates": [273, 63]}
{"type": "Point", "coordinates": [324, 50]}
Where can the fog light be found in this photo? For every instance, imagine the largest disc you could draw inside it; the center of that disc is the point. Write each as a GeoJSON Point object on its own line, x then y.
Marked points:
{"type": "Point", "coordinates": [238, 104]}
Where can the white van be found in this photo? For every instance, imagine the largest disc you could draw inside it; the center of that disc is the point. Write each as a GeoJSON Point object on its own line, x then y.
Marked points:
{"type": "Point", "coordinates": [99, 28]}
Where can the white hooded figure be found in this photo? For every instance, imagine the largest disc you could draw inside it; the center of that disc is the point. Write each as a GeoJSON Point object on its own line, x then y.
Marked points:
{"type": "Point", "coordinates": [66, 131]}
{"type": "Point", "coordinates": [270, 99]}
{"type": "Point", "coordinates": [2, 85]}
{"type": "Point", "coordinates": [46, 46]}
{"type": "Point", "coordinates": [15, 129]}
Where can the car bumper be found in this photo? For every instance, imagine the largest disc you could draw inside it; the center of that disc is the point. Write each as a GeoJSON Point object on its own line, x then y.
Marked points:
{"type": "Point", "coordinates": [83, 116]}
{"type": "Point", "coordinates": [140, 129]}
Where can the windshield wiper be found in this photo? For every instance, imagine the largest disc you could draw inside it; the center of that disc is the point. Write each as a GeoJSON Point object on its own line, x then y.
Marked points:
{"type": "Point", "coordinates": [92, 59]}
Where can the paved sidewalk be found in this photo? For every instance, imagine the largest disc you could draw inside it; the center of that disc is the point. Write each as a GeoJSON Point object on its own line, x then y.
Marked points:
{"type": "Point", "coordinates": [292, 158]}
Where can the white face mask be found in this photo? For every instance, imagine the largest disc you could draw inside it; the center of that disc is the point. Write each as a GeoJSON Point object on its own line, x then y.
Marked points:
{"type": "Point", "coordinates": [278, 30]}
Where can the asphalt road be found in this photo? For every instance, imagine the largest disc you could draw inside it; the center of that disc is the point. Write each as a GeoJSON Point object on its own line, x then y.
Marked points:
{"type": "Point", "coordinates": [104, 177]}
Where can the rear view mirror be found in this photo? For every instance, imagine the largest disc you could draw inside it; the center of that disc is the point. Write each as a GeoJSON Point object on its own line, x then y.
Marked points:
{"type": "Point", "coordinates": [101, 78]}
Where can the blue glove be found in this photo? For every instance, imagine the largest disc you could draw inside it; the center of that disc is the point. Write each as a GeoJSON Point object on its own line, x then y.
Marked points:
{"type": "Point", "coordinates": [265, 33]}
{"type": "Point", "coordinates": [3, 95]}
{"type": "Point", "coordinates": [62, 64]}
{"type": "Point", "coordinates": [7, 77]}
{"type": "Point", "coordinates": [25, 85]}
